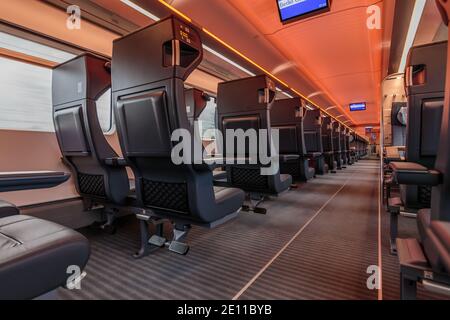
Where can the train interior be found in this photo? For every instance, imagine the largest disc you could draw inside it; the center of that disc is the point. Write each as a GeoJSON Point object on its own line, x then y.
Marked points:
{"type": "Point", "coordinates": [224, 150]}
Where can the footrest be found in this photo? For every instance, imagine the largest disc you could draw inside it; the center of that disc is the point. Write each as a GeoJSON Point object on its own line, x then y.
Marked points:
{"type": "Point", "coordinates": [179, 247]}
{"type": "Point", "coordinates": [394, 205]}
{"type": "Point", "coordinates": [157, 241]}
{"type": "Point", "coordinates": [410, 253]}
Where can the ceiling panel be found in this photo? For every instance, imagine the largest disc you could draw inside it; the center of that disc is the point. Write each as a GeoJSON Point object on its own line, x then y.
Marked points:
{"type": "Point", "coordinates": [336, 50]}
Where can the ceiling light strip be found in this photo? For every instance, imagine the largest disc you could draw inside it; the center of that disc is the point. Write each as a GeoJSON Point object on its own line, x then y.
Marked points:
{"type": "Point", "coordinates": [134, 6]}
{"type": "Point", "coordinates": [419, 7]}
{"type": "Point", "coordinates": [221, 56]}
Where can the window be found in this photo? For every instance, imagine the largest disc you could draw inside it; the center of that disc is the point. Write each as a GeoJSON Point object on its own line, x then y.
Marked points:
{"type": "Point", "coordinates": [26, 92]}
{"type": "Point", "coordinates": [104, 112]}
{"type": "Point", "coordinates": [208, 120]}
{"type": "Point", "coordinates": [26, 89]}
{"type": "Point", "coordinates": [16, 44]}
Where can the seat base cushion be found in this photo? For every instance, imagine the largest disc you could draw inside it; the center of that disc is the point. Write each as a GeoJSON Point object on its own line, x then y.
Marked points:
{"type": "Point", "coordinates": [437, 245]}
{"type": "Point", "coordinates": [35, 256]}
{"type": "Point", "coordinates": [285, 183]}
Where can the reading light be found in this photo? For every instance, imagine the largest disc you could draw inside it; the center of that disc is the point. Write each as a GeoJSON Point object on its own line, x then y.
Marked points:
{"type": "Point", "coordinates": [330, 108]}
{"type": "Point", "coordinates": [338, 117]}
{"type": "Point", "coordinates": [419, 7]}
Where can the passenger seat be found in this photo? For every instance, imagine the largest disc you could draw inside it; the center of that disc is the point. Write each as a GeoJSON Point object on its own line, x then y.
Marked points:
{"type": "Point", "coordinates": [36, 256]}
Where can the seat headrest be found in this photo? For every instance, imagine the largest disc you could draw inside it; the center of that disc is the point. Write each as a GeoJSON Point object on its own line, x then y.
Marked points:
{"type": "Point", "coordinates": [167, 49]}
{"type": "Point", "coordinates": [84, 77]}
{"type": "Point", "coordinates": [424, 68]}
{"type": "Point", "coordinates": [287, 111]}
{"type": "Point", "coordinates": [196, 101]}
{"type": "Point", "coordinates": [336, 126]}
{"type": "Point", "coordinates": [312, 119]}
{"type": "Point", "coordinates": [327, 123]}
{"type": "Point", "coordinates": [243, 95]}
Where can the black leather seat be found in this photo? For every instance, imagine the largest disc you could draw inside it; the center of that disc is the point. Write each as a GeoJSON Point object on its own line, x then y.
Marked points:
{"type": "Point", "coordinates": [312, 122]}
{"type": "Point", "coordinates": [287, 116]}
{"type": "Point", "coordinates": [35, 256]}
{"type": "Point", "coordinates": [149, 105]}
{"type": "Point", "coordinates": [328, 143]}
{"type": "Point", "coordinates": [416, 176]}
{"type": "Point", "coordinates": [100, 174]}
{"type": "Point", "coordinates": [337, 146]}
{"type": "Point", "coordinates": [244, 105]}
{"type": "Point", "coordinates": [431, 265]}
{"type": "Point", "coordinates": [347, 138]}
{"type": "Point", "coordinates": [7, 209]}
{"type": "Point", "coordinates": [425, 105]}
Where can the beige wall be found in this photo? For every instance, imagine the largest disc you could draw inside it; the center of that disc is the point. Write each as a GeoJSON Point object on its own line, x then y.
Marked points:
{"type": "Point", "coordinates": [34, 151]}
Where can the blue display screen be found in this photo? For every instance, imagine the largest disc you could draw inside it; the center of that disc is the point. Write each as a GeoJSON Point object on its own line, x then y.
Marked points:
{"type": "Point", "coordinates": [291, 9]}
{"type": "Point", "coordinates": [358, 106]}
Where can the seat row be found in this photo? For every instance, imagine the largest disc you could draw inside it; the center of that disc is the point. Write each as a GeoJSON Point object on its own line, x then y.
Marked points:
{"type": "Point", "coordinates": [150, 104]}
{"type": "Point", "coordinates": [424, 175]}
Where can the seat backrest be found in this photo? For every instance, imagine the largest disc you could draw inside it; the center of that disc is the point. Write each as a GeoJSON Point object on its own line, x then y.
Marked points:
{"type": "Point", "coordinates": [312, 123]}
{"type": "Point", "coordinates": [77, 86]}
{"type": "Point", "coordinates": [337, 134]}
{"type": "Point", "coordinates": [348, 135]}
{"type": "Point", "coordinates": [425, 83]}
{"type": "Point", "coordinates": [287, 116]}
{"type": "Point", "coordinates": [440, 204]}
{"type": "Point", "coordinates": [327, 134]}
{"type": "Point", "coordinates": [150, 106]}
{"type": "Point", "coordinates": [245, 104]}
{"type": "Point", "coordinates": [343, 135]}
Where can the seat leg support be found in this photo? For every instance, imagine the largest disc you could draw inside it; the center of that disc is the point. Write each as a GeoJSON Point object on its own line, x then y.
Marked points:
{"type": "Point", "coordinates": [254, 206]}
{"type": "Point", "coordinates": [178, 244]}
{"type": "Point", "coordinates": [408, 288]}
{"type": "Point", "coordinates": [110, 224]}
{"type": "Point", "coordinates": [393, 232]}
{"type": "Point", "coordinates": [149, 244]}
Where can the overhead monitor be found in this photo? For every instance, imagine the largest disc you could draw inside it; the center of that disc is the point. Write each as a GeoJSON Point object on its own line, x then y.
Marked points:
{"type": "Point", "coordinates": [360, 106]}
{"type": "Point", "coordinates": [291, 10]}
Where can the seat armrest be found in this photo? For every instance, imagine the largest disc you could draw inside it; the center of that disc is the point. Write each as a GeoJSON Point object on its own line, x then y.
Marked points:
{"type": "Point", "coordinates": [289, 157]}
{"type": "Point", "coordinates": [388, 160]}
{"type": "Point", "coordinates": [7, 209]}
{"type": "Point", "coordinates": [116, 162]}
{"type": "Point", "coordinates": [31, 180]}
{"type": "Point", "coordinates": [314, 155]}
{"type": "Point", "coordinates": [210, 164]}
{"type": "Point", "coordinates": [409, 173]}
